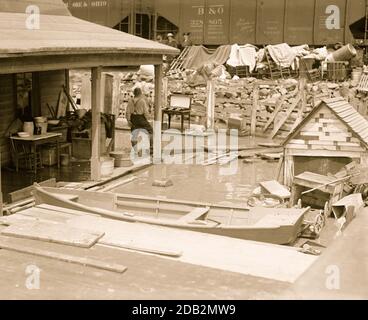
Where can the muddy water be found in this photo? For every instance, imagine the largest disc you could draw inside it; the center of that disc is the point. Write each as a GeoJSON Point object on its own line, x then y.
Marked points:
{"type": "Point", "coordinates": [202, 183]}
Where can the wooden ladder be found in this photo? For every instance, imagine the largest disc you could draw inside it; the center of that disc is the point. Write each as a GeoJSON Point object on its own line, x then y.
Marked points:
{"type": "Point", "coordinates": [177, 64]}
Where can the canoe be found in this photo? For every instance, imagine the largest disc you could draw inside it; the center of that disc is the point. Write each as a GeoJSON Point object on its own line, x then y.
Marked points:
{"type": "Point", "coordinates": [271, 225]}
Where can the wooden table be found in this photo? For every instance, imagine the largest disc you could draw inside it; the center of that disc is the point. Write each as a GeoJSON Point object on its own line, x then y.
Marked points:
{"type": "Point", "coordinates": [182, 112]}
{"type": "Point", "coordinates": [37, 140]}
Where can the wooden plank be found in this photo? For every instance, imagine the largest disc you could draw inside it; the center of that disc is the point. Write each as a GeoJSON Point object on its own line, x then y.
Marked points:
{"type": "Point", "coordinates": [253, 122]}
{"type": "Point", "coordinates": [50, 232]}
{"type": "Point", "coordinates": [297, 141]}
{"type": "Point", "coordinates": [334, 100]}
{"type": "Point", "coordinates": [285, 117]}
{"type": "Point", "coordinates": [311, 133]}
{"type": "Point", "coordinates": [275, 188]}
{"type": "Point", "coordinates": [321, 147]}
{"type": "Point", "coordinates": [246, 257]}
{"type": "Point", "coordinates": [147, 249]}
{"type": "Point", "coordinates": [275, 113]}
{"type": "Point", "coordinates": [346, 113]}
{"type": "Point", "coordinates": [324, 153]}
{"type": "Point", "coordinates": [8, 244]}
{"type": "Point", "coordinates": [357, 149]}
{"type": "Point", "coordinates": [297, 146]}
{"type": "Point", "coordinates": [319, 143]}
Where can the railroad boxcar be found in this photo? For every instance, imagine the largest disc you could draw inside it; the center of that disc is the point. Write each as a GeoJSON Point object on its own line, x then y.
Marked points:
{"type": "Point", "coordinates": [216, 22]}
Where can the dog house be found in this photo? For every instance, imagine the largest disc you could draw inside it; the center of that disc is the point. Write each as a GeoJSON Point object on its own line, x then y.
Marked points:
{"type": "Point", "coordinates": [330, 137]}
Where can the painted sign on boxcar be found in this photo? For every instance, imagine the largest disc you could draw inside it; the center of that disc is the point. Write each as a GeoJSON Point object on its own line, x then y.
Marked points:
{"type": "Point", "coordinates": [270, 21]}
{"type": "Point", "coordinates": [299, 27]}
{"type": "Point", "coordinates": [243, 21]}
{"type": "Point", "coordinates": [192, 15]}
{"type": "Point", "coordinates": [216, 29]}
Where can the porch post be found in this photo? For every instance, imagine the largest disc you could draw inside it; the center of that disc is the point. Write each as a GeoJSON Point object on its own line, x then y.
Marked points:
{"type": "Point", "coordinates": [1, 191]}
{"type": "Point", "coordinates": [96, 122]}
{"type": "Point", "coordinates": [157, 115]}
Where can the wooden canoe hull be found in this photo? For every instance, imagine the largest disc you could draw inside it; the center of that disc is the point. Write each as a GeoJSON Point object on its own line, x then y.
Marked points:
{"type": "Point", "coordinates": [275, 234]}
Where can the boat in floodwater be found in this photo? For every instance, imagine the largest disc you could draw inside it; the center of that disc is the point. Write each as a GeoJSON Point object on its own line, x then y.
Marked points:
{"type": "Point", "coordinates": [271, 225]}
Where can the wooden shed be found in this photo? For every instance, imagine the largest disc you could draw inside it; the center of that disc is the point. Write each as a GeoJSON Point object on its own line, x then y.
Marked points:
{"type": "Point", "coordinates": [41, 38]}
{"type": "Point", "coordinates": [330, 137]}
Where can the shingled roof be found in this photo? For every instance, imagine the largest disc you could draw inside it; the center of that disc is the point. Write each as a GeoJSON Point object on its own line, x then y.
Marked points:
{"type": "Point", "coordinates": [60, 33]}
{"type": "Point", "coordinates": [345, 112]}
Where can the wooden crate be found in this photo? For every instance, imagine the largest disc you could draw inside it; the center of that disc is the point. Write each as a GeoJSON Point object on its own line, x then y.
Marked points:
{"type": "Point", "coordinates": [240, 71]}
{"type": "Point", "coordinates": [337, 71]}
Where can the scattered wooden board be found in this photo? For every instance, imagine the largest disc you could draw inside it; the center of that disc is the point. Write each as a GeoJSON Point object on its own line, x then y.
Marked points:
{"type": "Point", "coordinates": [275, 188]}
{"type": "Point", "coordinates": [279, 124]}
{"type": "Point", "coordinates": [275, 113]}
{"type": "Point", "coordinates": [8, 244]}
{"type": "Point", "coordinates": [51, 232]}
{"type": "Point", "coordinates": [253, 122]}
{"type": "Point", "coordinates": [224, 253]}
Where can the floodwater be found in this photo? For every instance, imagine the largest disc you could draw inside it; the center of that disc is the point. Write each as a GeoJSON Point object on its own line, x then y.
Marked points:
{"type": "Point", "coordinates": [213, 183]}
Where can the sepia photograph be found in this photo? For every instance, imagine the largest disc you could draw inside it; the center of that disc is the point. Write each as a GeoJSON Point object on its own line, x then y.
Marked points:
{"type": "Point", "coordinates": [202, 152]}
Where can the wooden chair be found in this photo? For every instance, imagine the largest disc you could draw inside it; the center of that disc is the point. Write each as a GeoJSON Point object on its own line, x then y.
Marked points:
{"type": "Point", "coordinates": [23, 157]}
{"type": "Point", "coordinates": [276, 72]}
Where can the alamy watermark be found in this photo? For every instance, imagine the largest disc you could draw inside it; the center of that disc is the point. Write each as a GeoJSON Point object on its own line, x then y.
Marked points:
{"type": "Point", "coordinates": [33, 277]}
{"type": "Point", "coordinates": [333, 278]}
{"type": "Point", "coordinates": [33, 20]}
{"type": "Point", "coordinates": [189, 149]}
{"type": "Point", "coordinates": [333, 20]}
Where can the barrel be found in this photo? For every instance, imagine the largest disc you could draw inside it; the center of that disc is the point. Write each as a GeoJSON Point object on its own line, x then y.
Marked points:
{"type": "Point", "coordinates": [345, 53]}
{"type": "Point", "coordinates": [356, 75]}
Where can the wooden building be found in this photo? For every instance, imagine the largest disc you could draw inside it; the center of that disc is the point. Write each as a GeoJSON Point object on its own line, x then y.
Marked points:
{"type": "Point", "coordinates": [330, 137]}
{"type": "Point", "coordinates": [40, 41]}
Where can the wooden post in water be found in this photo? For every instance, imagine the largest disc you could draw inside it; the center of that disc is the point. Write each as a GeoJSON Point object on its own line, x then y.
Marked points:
{"type": "Point", "coordinates": [165, 91]}
{"type": "Point", "coordinates": [157, 115]}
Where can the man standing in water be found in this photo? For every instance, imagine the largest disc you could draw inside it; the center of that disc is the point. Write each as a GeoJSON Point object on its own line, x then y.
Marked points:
{"type": "Point", "coordinates": [137, 114]}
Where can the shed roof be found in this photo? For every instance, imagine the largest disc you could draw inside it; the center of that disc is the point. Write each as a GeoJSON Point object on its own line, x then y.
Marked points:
{"type": "Point", "coordinates": [345, 112]}
{"type": "Point", "coordinates": [60, 33]}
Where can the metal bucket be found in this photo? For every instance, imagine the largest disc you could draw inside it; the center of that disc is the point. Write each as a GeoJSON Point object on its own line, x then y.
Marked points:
{"type": "Point", "coordinates": [107, 166]}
